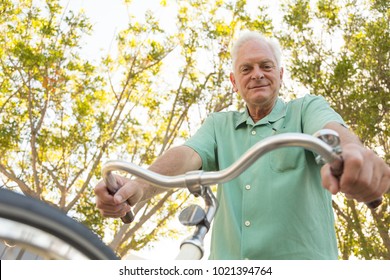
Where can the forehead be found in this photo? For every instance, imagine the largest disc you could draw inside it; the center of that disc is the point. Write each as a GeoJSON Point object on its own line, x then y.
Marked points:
{"type": "Point", "coordinates": [253, 52]}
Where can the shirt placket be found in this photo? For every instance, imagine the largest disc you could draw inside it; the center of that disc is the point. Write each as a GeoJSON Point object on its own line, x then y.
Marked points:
{"type": "Point", "coordinates": [250, 207]}
{"type": "Point", "coordinates": [248, 201]}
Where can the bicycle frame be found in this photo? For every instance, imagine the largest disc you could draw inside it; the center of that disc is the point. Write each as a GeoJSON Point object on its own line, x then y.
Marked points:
{"type": "Point", "coordinates": [325, 143]}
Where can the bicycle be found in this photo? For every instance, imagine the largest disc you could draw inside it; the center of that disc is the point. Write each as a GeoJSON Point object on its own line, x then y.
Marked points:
{"type": "Point", "coordinates": [33, 226]}
{"type": "Point", "coordinates": [324, 143]}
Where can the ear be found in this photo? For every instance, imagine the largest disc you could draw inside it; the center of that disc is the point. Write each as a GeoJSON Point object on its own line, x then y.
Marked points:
{"type": "Point", "coordinates": [233, 81]}
{"type": "Point", "coordinates": [281, 73]}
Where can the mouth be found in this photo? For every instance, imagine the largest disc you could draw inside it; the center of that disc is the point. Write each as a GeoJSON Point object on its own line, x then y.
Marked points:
{"type": "Point", "coordinates": [258, 86]}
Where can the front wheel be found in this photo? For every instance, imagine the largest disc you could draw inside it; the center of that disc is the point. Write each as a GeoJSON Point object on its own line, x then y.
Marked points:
{"type": "Point", "coordinates": [32, 229]}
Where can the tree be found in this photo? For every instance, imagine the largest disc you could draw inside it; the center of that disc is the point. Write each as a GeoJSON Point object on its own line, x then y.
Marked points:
{"type": "Point", "coordinates": [62, 116]}
{"type": "Point", "coordinates": [345, 59]}
{"type": "Point", "coordinates": [48, 97]}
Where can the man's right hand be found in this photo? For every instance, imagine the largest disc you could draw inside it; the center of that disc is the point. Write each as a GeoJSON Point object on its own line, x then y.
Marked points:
{"type": "Point", "coordinates": [115, 206]}
{"type": "Point", "coordinates": [175, 161]}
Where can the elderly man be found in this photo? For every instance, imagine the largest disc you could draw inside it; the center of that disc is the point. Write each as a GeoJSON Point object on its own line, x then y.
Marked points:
{"type": "Point", "coordinates": [280, 208]}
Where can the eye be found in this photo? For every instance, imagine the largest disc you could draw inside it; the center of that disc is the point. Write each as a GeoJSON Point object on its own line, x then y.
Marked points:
{"type": "Point", "coordinates": [244, 69]}
{"type": "Point", "coordinates": [267, 66]}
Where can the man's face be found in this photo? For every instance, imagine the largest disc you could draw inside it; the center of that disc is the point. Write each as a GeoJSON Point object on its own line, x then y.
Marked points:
{"type": "Point", "coordinates": [256, 75]}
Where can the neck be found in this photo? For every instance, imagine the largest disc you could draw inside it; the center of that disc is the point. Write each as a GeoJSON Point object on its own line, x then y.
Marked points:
{"type": "Point", "coordinates": [259, 112]}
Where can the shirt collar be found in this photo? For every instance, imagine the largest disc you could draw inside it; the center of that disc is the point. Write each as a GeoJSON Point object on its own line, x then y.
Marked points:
{"type": "Point", "coordinates": [278, 112]}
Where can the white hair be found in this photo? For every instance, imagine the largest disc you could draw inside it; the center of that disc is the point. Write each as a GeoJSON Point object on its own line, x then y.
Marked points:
{"type": "Point", "coordinates": [255, 36]}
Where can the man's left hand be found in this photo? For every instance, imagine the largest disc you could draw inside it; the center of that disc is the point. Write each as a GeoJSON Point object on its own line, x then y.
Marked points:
{"type": "Point", "coordinates": [366, 177]}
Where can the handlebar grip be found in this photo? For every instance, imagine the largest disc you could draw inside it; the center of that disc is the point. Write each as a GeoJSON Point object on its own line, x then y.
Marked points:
{"type": "Point", "coordinates": [113, 187]}
{"type": "Point", "coordinates": [128, 218]}
{"type": "Point", "coordinates": [337, 168]}
{"type": "Point", "coordinates": [374, 204]}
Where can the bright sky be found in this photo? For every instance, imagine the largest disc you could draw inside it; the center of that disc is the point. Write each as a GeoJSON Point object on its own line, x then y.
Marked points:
{"type": "Point", "coordinates": [110, 17]}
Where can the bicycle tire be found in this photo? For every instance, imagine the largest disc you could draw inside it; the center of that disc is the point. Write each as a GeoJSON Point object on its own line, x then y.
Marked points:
{"type": "Point", "coordinates": [46, 231]}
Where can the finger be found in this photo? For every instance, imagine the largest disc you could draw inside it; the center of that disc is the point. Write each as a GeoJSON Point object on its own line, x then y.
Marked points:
{"type": "Point", "coordinates": [385, 182]}
{"type": "Point", "coordinates": [100, 188]}
{"type": "Point", "coordinates": [108, 205]}
{"type": "Point", "coordinates": [130, 192]}
{"type": "Point", "coordinates": [362, 177]}
{"type": "Point", "coordinates": [107, 196]}
{"type": "Point", "coordinates": [358, 173]}
{"type": "Point", "coordinates": [352, 171]}
{"type": "Point", "coordinates": [329, 181]}
{"type": "Point", "coordinates": [108, 208]}
{"type": "Point", "coordinates": [372, 191]}
{"type": "Point", "coordinates": [381, 178]}
{"type": "Point", "coordinates": [377, 187]}
{"type": "Point", "coordinates": [102, 194]}
{"type": "Point", "coordinates": [115, 212]}
{"type": "Point", "coordinates": [109, 214]}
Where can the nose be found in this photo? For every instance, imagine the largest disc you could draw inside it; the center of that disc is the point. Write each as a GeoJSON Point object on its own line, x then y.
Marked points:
{"type": "Point", "coordinates": [257, 73]}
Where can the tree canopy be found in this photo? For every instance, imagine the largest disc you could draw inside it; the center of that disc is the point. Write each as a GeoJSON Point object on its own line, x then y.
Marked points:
{"type": "Point", "coordinates": [62, 114]}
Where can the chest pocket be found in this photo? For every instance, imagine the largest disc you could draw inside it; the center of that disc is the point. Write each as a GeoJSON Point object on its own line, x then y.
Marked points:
{"type": "Point", "coordinates": [289, 158]}
{"type": "Point", "coordinates": [285, 159]}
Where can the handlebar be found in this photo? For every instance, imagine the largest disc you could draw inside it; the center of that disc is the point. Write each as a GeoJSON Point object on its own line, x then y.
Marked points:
{"type": "Point", "coordinates": [196, 178]}
{"type": "Point", "coordinates": [325, 143]}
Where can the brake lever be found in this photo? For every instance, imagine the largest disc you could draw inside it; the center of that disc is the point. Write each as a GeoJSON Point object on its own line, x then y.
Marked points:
{"type": "Point", "coordinates": [331, 138]}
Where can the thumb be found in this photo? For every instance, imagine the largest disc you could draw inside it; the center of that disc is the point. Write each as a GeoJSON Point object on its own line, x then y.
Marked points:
{"type": "Point", "coordinates": [329, 182]}
{"type": "Point", "coordinates": [132, 192]}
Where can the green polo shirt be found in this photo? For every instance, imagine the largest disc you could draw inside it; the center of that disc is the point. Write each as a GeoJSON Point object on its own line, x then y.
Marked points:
{"type": "Point", "coordinates": [277, 209]}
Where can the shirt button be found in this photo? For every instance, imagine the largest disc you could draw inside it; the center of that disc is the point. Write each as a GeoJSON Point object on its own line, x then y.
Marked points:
{"type": "Point", "coordinates": [248, 187]}
{"type": "Point", "coordinates": [247, 223]}
{"type": "Point", "coordinates": [253, 132]}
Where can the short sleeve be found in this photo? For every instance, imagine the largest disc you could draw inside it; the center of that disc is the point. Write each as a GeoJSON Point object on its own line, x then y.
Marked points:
{"type": "Point", "coordinates": [204, 143]}
{"type": "Point", "coordinates": [316, 113]}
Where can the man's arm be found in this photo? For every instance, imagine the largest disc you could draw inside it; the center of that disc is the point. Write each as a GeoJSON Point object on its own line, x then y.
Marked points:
{"type": "Point", "coordinates": [366, 176]}
{"type": "Point", "coordinates": [175, 161]}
